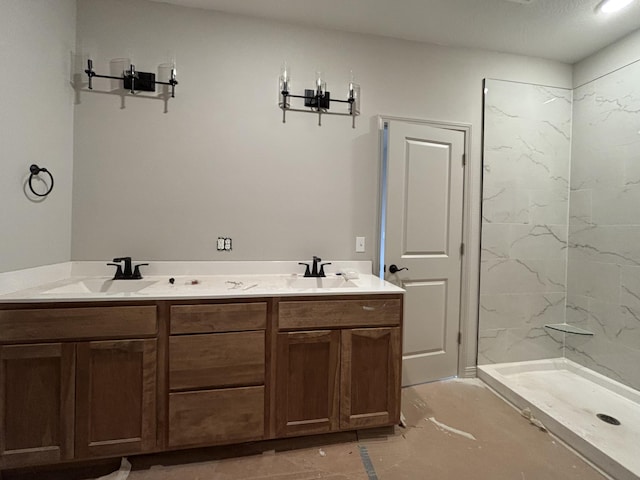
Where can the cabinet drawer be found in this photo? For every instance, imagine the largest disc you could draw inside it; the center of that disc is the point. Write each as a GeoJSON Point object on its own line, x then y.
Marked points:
{"type": "Point", "coordinates": [77, 323]}
{"type": "Point", "coordinates": [228, 317]}
{"type": "Point", "coordinates": [339, 313]}
{"type": "Point", "coordinates": [216, 360]}
{"type": "Point", "coordinates": [216, 416]}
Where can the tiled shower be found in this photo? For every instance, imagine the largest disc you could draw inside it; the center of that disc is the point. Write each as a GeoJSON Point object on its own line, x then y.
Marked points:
{"type": "Point", "coordinates": [561, 224]}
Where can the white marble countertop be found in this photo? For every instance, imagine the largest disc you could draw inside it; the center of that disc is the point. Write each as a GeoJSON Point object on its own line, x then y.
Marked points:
{"type": "Point", "coordinates": [86, 281]}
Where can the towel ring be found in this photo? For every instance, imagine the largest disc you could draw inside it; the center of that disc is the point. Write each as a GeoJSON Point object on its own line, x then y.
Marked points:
{"type": "Point", "coordinates": [35, 170]}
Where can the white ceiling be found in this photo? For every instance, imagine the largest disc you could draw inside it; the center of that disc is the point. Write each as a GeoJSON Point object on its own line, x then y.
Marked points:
{"type": "Point", "coordinates": [564, 30]}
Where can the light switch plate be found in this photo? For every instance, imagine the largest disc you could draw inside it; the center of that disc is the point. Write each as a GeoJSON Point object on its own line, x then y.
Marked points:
{"type": "Point", "coordinates": [360, 244]}
{"type": "Point", "coordinates": [220, 244]}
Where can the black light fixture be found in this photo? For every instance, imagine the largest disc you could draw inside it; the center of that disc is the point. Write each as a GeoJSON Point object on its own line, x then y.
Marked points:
{"type": "Point", "coordinates": [135, 81]}
{"type": "Point", "coordinates": [317, 100]}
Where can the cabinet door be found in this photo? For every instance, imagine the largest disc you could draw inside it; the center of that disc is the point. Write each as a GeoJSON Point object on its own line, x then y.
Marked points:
{"type": "Point", "coordinates": [116, 397]}
{"type": "Point", "coordinates": [36, 404]}
{"type": "Point", "coordinates": [307, 382]}
{"type": "Point", "coordinates": [370, 377]}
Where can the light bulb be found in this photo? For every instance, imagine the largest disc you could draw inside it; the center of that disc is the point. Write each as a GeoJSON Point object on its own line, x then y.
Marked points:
{"type": "Point", "coordinates": [285, 78]}
{"type": "Point", "coordinates": [352, 84]}
{"type": "Point", "coordinates": [321, 85]}
{"type": "Point", "coordinates": [284, 85]}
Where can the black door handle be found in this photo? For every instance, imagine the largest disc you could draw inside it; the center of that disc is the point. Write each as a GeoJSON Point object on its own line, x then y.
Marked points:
{"type": "Point", "coordinates": [394, 268]}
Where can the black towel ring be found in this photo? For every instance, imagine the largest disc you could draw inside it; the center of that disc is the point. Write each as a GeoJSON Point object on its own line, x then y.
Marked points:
{"type": "Point", "coordinates": [35, 170]}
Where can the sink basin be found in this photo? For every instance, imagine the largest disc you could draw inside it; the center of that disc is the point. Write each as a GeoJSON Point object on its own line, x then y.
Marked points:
{"type": "Point", "coordinates": [100, 285]}
{"type": "Point", "coordinates": [322, 282]}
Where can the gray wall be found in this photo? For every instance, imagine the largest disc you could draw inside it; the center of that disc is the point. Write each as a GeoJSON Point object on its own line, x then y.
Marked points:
{"type": "Point", "coordinates": [36, 121]}
{"type": "Point", "coordinates": [604, 229]}
{"type": "Point", "coordinates": [615, 56]}
{"type": "Point", "coordinates": [219, 161]}
{"type": "Point", "coordinates": [527, 150]}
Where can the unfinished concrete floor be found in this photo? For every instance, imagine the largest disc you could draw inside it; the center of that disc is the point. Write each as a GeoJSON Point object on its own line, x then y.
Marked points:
{"type": "Point", "coordinates": [457, 429]}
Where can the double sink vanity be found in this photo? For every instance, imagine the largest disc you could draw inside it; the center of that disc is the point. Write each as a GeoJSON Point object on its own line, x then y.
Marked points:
{"type": "Point", "coordinates": [194, 354]}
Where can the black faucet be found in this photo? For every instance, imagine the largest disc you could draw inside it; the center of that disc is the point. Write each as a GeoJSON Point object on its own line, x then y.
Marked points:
{"type": "Point", "coordinates": [127, 273]}
{"type": "Point", "coordinates": [314, 271]}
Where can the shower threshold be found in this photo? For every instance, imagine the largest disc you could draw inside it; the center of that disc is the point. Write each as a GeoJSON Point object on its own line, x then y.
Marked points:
{"type": "Point", "coordinates": [566, 398]}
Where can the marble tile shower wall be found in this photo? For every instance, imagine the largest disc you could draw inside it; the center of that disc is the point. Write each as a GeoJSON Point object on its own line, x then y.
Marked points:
{"type": "Point", "coordinates": [603, 293]}
{"type": "Point", "coordinates": [527, 147]}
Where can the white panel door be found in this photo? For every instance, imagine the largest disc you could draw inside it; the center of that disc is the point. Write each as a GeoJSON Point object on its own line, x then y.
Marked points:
{"type": "Point", "coordinates": [425, 177]}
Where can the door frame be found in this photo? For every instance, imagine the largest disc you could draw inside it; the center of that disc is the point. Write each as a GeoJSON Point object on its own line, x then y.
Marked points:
{"type": "Point", "coordinates": [470, 265]}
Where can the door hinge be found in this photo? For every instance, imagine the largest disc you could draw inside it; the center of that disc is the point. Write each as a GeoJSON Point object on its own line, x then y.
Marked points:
{"type": "Point", "coordinates": [462, 249]}
{"type": "Point", "coordinates": [464, 159]}
{"type": "Point", "coordinates": [459, 338]}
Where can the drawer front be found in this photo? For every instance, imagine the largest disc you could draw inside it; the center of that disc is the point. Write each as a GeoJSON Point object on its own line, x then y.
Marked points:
{"type": "Point", "coordinates": [339, 313]}
{"type": "Point", "coordinates": [228, 317]}
{"type": "Point", "coordinates": [77, 323]}
{"type": "Point", "coordinates": [216, 360]}
{"type": "Point", "coordinates": [212, 417]}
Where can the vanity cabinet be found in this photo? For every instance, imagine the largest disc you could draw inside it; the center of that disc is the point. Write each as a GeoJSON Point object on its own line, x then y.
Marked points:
{"type": "Point", "coordinates": [68, 393]}
{"type": "Point", "coordinates": [338, 364]}
{"type": "Point", "coordinates": [98, 380]}
{"type": "Point", "coordinates": [217, 373]}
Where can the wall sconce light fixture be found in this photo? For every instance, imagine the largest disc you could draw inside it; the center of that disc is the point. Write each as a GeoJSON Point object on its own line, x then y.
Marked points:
{"type": "Point", "coordinates": [134, 80]}
{"type": "Point", "coordinates": [317, 100]}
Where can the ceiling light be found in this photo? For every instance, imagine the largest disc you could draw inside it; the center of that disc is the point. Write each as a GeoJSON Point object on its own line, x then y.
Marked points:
{"type": "Point", "coordinates": [608, 6]}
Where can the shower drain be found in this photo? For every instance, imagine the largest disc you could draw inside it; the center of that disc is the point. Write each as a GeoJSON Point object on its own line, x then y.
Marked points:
{"type": "Point", "coordinates": [608, 419]}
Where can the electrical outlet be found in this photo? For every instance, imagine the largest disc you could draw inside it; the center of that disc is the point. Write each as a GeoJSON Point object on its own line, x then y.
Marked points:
{"type": "Point", "coordinates": [220, 243]}
{"type": "Point", "coordinates": [227, 244]}
{"type": "Point", "coordinates": [360, 244]}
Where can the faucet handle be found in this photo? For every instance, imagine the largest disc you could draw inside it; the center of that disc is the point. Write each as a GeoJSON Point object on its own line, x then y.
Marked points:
{"type": "Point", "coordinates": [119, 274]}
{"type": "Point", "coordinates": [307, 273]}
{"type": "Point", "coordinates": [322, 269]}
{"type": "Point", "coordinates": [136, 271]}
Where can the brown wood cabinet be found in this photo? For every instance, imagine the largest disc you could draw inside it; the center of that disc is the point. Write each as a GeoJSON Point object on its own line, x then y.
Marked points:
{"type": "Point", "coordinates": [216, 374]}
{"type": "Point", "coordinates": [77, 399]}
{"type": "Point", "coordinates": [82, 381]}
{"type": "Point", "coordinates": [341, 378]}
